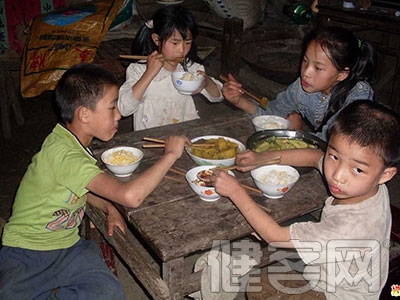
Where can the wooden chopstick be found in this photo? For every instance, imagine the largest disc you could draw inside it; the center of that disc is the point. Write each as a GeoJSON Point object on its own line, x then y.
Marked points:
{"type": "Point", "coordinates": [153, 146]}
{"type": "Point", "coordinates": [270, 161]}
{"type": "Point", "coordinates": [162, 142]}
{"type": "Point", "coordinates": [268, 210]}
{"type": "Point", "coordinates": [247, 187]}
{"type": "Point", "coordinates": [175, 179]}
{"type": "Point", "coordinates": [149, 139]}
{"type": "Point", "coordinates": [263, 101]}
{"type": "Point", "coordinates": [177, 171]}
{"type": "Point", "coordinates": [202, 145]}
{"type": "Point", "coordinates": [144, 57]}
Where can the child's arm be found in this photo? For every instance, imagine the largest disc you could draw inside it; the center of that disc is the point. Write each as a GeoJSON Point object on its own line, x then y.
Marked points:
{"type": "Point", "coordinates": [114, 218]}
{"type": "Point", "coordinates": [133, 192]}
{"type": "Point", "coordinates": [155, 62]}
{"type": "Point", "coordinates": [226, 185]}
{"type": "Point", "coordinates": [293, 157]}
{"type": "Point", "coordinates": [233, 93]}
{"type": "Point", "coordinates": [209, 85]}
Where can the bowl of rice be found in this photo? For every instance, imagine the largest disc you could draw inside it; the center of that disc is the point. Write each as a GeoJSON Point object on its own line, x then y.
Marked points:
{"type": "Point", "coordinates": [186, 83]}
{"type": "Point", "coordinates": [275, 180]}
{"type": "Point", "coordinates": [270, 122]}
{"type": "Point", "coordinates": [122, 161]}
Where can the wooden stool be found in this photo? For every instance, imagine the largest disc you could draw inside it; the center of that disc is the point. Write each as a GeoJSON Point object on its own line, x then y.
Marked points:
{"type": "Point", "coordinates": [10, 66]}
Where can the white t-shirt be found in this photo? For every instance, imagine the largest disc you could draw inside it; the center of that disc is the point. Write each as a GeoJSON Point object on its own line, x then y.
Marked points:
{"type": "Point", "coordinates": [161, 104]}
{"type": "Point", "coordinates": [361, 231]}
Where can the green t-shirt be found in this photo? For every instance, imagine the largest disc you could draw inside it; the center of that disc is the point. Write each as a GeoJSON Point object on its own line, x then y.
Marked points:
{"type": "Point", "coordinates": [51, 199]}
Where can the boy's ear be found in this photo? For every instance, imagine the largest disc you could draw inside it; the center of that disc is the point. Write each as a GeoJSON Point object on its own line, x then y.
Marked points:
{"type": "Point", "coordinates": [387, 174]}
{"type": "Point", "coordinates": [156, 39]}
{"type": "Point", "coordinates": [82, 114]}
{"type": "Point", "coordinates": [343, 74]}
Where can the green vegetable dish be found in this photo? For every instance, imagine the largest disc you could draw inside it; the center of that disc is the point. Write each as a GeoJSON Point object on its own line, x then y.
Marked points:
{"type": "Point", "coordinates": [279, 143]}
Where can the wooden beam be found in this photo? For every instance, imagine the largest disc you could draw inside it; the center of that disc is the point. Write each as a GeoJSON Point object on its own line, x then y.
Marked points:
{"type": "Point", "coordinates": [231, 43]}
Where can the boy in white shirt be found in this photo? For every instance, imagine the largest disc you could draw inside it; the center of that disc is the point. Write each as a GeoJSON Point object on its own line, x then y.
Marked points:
{"type": "Point", "coordinates": [361, 156]}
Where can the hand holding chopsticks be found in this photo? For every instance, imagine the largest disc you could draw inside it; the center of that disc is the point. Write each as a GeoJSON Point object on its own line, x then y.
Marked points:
{"type": "Point", "coordinates": [264, 101]}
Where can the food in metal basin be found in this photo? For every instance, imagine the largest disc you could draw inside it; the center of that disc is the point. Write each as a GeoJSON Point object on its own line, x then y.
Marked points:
{"type": "Point", "coordinates": [279, 143]}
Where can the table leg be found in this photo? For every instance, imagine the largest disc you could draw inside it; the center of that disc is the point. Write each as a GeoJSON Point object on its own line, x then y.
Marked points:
{"type": "Point", "coordinates": [173, 273]}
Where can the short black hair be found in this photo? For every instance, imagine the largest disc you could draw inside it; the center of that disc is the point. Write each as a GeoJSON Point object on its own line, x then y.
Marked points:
{"type": "Point", "coordinates": [371, 125]}
{"type": "Point", "coordinates": [82, 85]}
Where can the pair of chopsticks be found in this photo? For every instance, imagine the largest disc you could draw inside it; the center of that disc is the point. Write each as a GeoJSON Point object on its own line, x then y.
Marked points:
{"type": "Point", "coordinates": [264, 101]}
{"type": "Point", "coordinates": [144, 57]}
{"type": "Point", "coordinates": [161, 143]}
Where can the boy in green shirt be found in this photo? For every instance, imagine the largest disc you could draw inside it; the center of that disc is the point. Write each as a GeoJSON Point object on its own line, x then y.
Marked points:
{"type": "Point", "coordinates": [43, 256]}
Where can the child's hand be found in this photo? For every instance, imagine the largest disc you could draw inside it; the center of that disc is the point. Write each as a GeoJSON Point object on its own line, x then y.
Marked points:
{"type": "Point", "coordinates": [114, 218]}
{"type": "Point", "coordinates": [296, 121]}
{"type": "Point", "coordinates": [232, 90]}
{"type": "Point", "coordinates": [155, 61]}
{"type": "Point", "coordinates": [246, 158]}
{"type": "Point", "coordinates": [176, 145]}
{"type": "Point", "coordinates": [225, 184]}
{"type": "Point", "coordinates": [209, 85]}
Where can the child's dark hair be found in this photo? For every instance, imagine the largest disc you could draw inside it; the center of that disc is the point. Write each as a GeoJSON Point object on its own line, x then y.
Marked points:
{"type": "Point", "coordinates": [163, 23]}
{"type": "Point", "coordinates": [82, 85]}
{"type": "Point", "coordinates": [371, 125]}
{"type": "Point", "coordinates": [346, 52]}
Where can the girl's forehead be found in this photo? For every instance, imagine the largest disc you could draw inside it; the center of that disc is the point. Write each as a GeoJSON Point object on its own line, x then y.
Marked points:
{"type": "Point", "coordinates": [318, 53]}
{"type": "Point", "coordinates": [176, 35]}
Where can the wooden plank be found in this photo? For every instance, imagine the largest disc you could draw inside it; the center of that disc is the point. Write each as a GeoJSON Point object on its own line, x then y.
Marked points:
{"type": "Point", "coordinates": [127, 247]}
{"type": "Point", "coordinates": [230, 49]}
{"type": "Point", "coordinates": [174, 276]}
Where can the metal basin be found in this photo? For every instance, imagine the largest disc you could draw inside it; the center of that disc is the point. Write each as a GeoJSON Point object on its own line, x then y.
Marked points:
{"type": "Point", "coordinates": [258, 137]}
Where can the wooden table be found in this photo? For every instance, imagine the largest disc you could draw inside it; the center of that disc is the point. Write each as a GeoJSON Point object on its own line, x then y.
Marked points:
{"type": "Point", "coordinates": [173, 223]}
